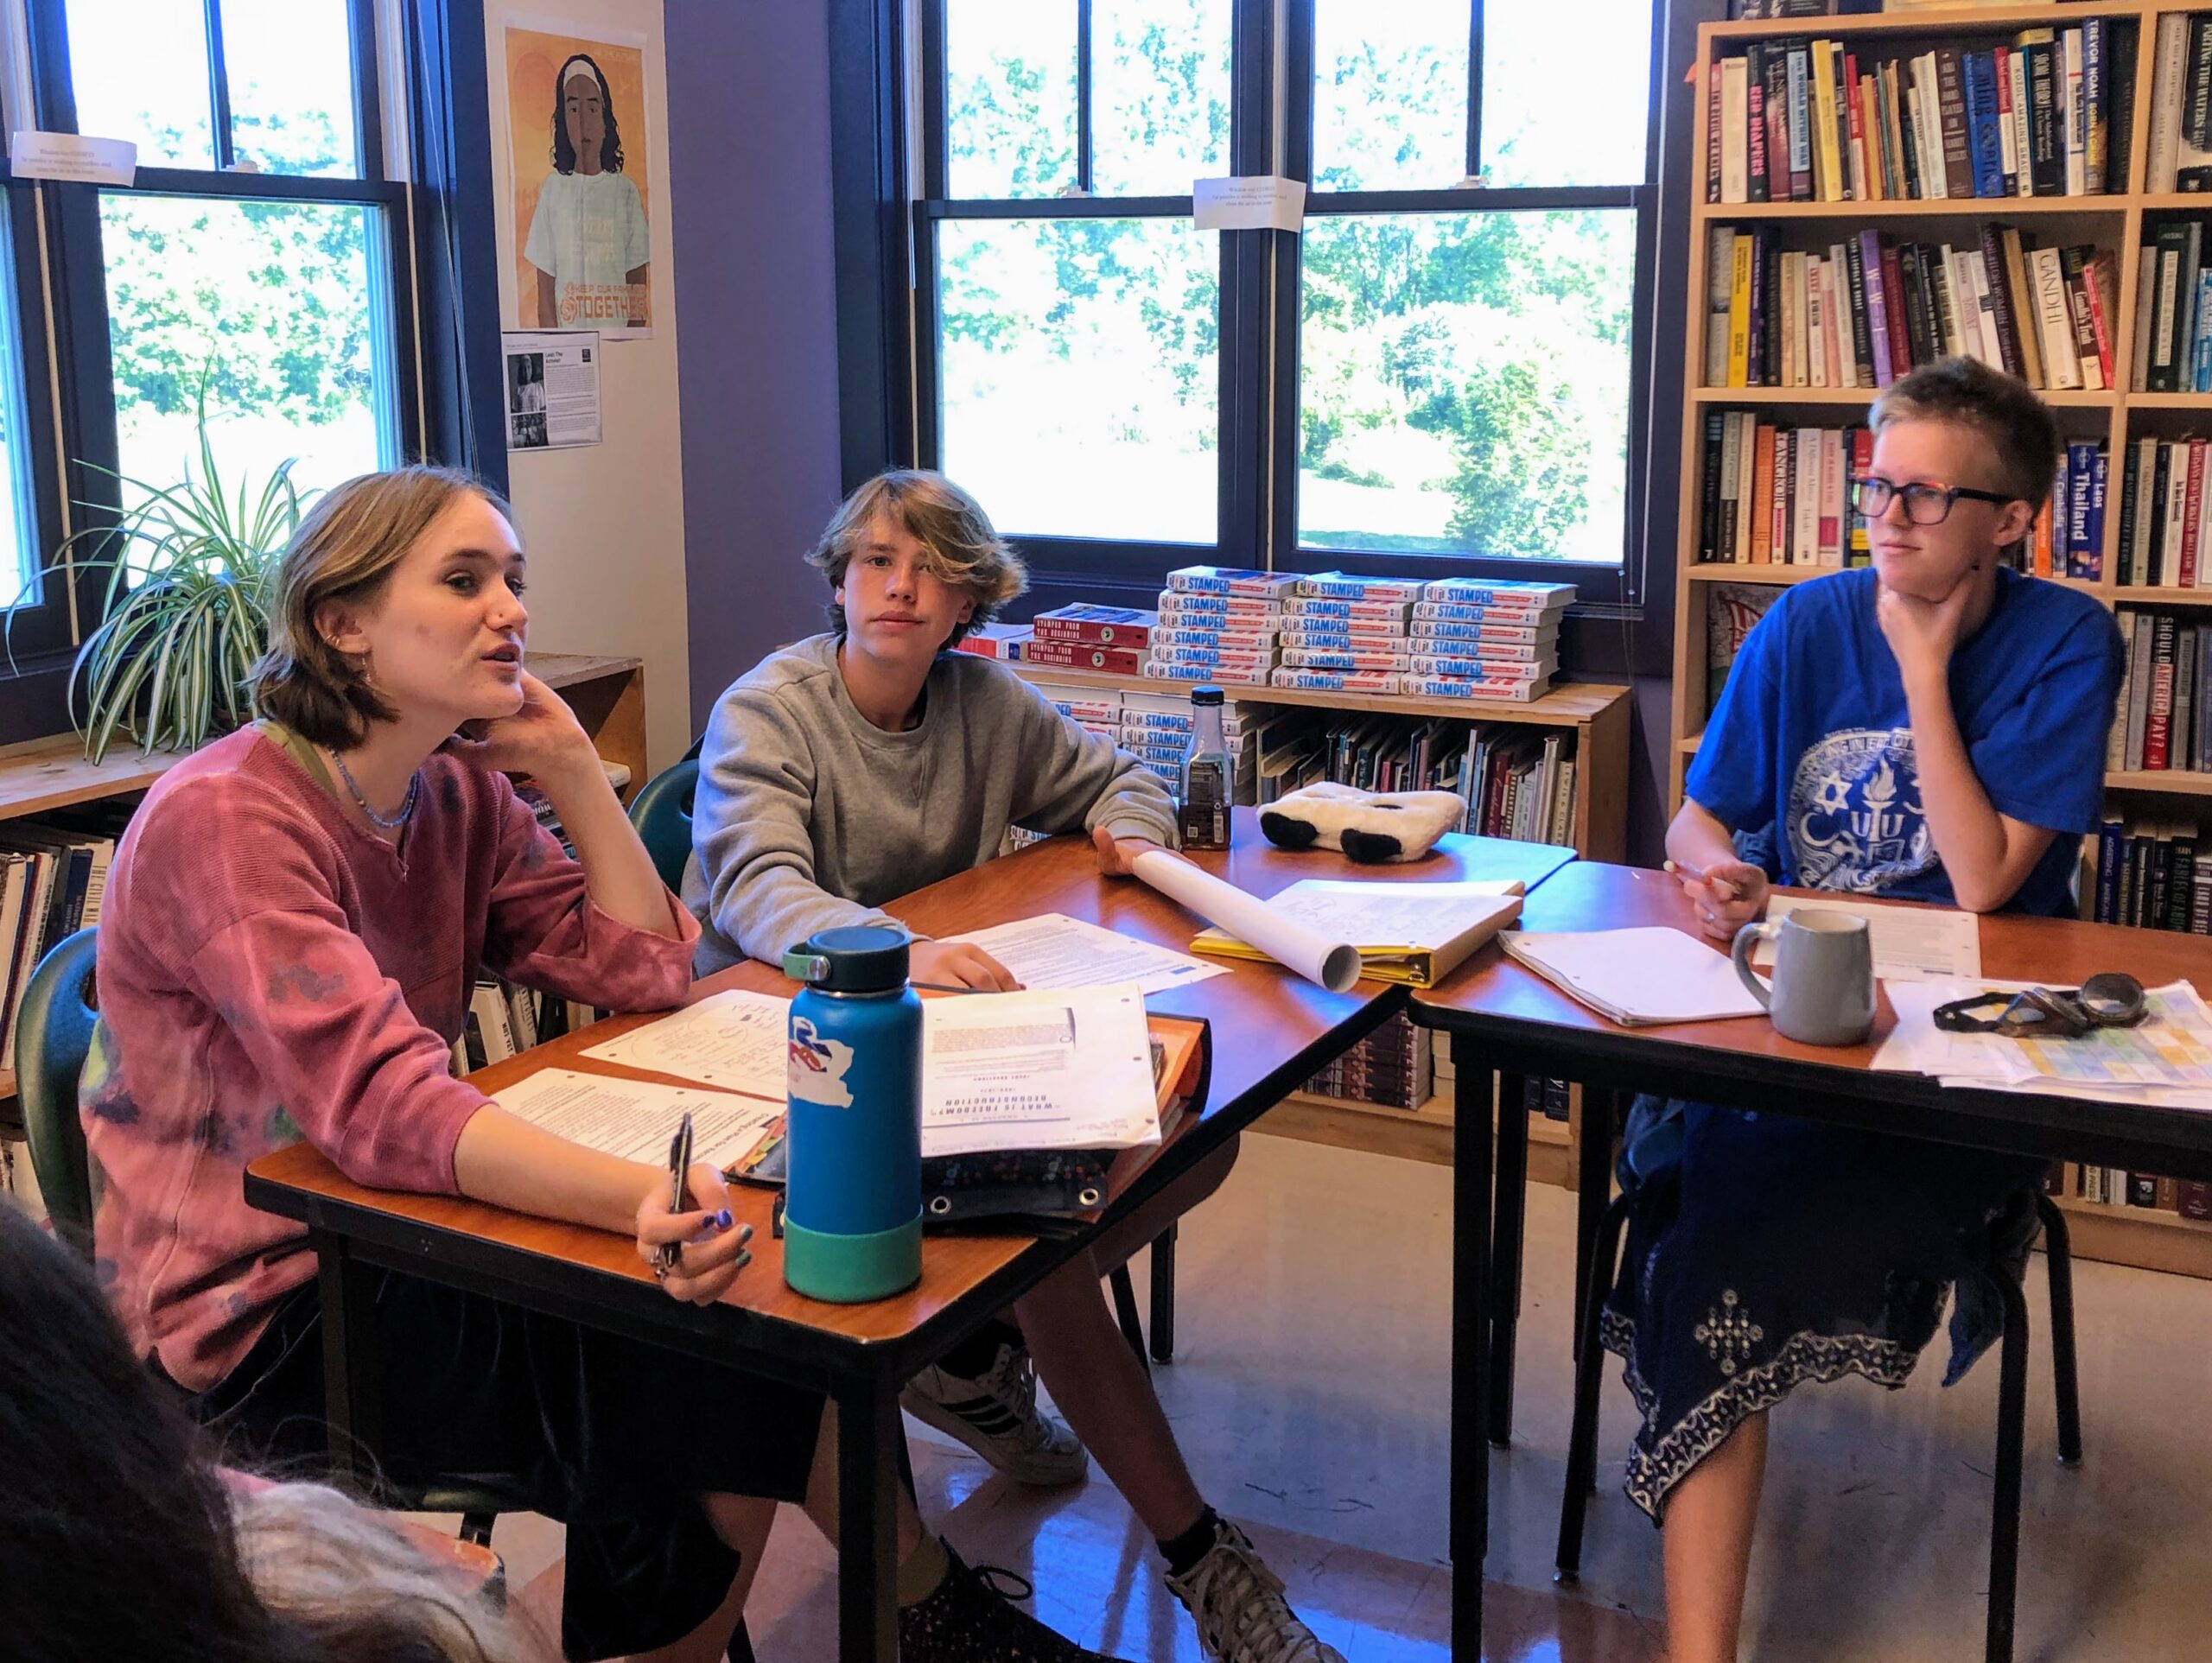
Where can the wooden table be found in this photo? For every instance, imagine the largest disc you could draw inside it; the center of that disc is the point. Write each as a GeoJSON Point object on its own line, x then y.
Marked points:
{"type": "Point", "coordinates": [1270, 1031]}
{"type": "Point", "coordinates": [1504, 1016]}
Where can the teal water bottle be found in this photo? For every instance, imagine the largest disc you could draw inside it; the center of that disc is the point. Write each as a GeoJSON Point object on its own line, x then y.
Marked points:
{"type": "Point", "coordinates": [853, 1196]}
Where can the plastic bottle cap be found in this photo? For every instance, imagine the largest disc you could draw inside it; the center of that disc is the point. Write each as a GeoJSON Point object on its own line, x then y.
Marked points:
{"type": "Point", "coordinates": [864, 958]}
{"type": "Point", "coordinates": [1205, 695]}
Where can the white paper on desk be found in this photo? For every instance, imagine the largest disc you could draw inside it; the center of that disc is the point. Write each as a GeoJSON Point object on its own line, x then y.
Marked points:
{"type": "Point", "coordinates": [1368, 914]}
{"type": "Point", "coordinates": [1053, 950]}
{"type": "Point", "coordinates": [635, 1119]}
{"type": "Point", "coordinates": [1064, 1069]}
{"type": "Point", "coordinates": [1909, 943]}
{"type": "Point", "coordinates": [1640, 977]}
{"type": "Point", "coordinates": [735, 1041]}
{"type": "Point", "coordinates": [1330, 961]}
{"type": "Point", "coordinates": [2166, 1060]}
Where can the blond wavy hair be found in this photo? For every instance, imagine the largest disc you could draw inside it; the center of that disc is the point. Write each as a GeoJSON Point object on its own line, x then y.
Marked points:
{"type": "Point", "coordinates": [959, 546]}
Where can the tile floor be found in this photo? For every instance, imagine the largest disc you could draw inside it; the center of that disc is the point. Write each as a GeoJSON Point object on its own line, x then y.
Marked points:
{"type": "Point", "coordinates": [1310, 1388]}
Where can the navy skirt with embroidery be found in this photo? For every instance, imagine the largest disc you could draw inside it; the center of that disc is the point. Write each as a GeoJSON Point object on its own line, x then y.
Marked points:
{"type": "Point", "coordinates": [1776, 1251]}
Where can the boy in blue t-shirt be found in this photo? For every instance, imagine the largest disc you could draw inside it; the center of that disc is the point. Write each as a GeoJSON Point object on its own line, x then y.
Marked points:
{"type": "Point", "coordinates": [1932, 729]}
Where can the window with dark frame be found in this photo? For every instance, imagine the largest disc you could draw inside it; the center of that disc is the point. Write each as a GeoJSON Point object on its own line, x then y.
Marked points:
{"type": "Point", "coordinates": [253, 266]}
{"type": "Point", "coordinates": [1449, 366]}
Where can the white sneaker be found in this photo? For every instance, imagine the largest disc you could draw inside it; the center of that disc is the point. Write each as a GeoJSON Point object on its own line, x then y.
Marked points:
{"type": "Point", "coordinates": [997, 1415]}
{"type": "Point", "coordinates": [1237, 1603]}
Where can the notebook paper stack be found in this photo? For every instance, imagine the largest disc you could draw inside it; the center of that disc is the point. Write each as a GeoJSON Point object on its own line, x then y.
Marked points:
{"type": "Point", "coordinates": [1452, 638]}
{"type": "Point", "coordinates": [1416, 934]}
{"type": "Point", "coordinates": [1640, 978]}
{"type": "Point", "coordinates": [1218, 624]}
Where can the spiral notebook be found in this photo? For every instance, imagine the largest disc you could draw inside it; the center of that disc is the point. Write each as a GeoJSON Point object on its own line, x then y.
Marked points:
{"type": "Point", "coordinates": [1640, 978]}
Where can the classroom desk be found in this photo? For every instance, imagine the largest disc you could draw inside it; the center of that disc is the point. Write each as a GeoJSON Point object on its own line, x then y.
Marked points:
{"type": "Point", "coordinates": [1502, 1016]}
{"type": "Point", "coordinates": [1270, 1031]}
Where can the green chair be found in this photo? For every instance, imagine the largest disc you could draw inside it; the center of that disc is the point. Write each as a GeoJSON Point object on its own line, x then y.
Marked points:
{"type": "Point", "coordinates": [662, 814]}
{"type": "Point", "coordinates": [54, 1034]}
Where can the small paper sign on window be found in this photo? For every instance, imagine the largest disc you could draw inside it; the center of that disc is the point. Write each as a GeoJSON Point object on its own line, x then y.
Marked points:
{"type": "Point", "coordinates": [1249, 202]}
{"type": "Point", "coordinates": [73, 157]}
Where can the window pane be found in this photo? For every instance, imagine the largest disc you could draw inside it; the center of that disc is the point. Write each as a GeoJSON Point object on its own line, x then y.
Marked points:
{"type": "Point", "coordinates": [19, 556]}
{"type": "Point", "coordinates": [291, 73]}
{"type": "Point", "coordinates": [1533, 136]}
{"type": "Point", "coordinates": [139, 69]}
{"type": "Point", "coordinates": [275, 306]}
{"type": "Point", "coordinates": [1159, 95]}
{"type": "Point", "coordinates": [1390, 94]}
{"type": "Point", "coordinates": [1079, 357]}
{"type": "Point", "coordinates": [1465, 383]}
{"type": "Point", "coordinates": [1010, 98]}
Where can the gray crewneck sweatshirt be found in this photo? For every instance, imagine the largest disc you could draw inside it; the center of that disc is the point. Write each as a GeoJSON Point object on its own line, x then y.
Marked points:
{"type": "Point", "coordinates": [808, 815]}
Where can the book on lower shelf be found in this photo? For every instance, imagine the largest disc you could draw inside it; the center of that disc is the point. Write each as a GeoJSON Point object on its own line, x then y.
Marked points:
{"type": "Point", "coordinates": [53, 881]}
{"type": "Point", "coordinates": [2146, 1192]}
{"type": "Point", "coordinates": [2152, 873]}
{"type": "Point", "coordinates": [2165, 719]}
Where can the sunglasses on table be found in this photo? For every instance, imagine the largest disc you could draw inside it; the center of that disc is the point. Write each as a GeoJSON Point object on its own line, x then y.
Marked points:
{"type": "Point", "coordinates": [2114, 999]}
{"type": "Point", "coordinates": [1926, 503]}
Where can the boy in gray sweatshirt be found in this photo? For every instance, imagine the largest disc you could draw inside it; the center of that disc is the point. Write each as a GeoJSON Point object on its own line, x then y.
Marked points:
{"type": "Point", "coordinates": [862, 764]}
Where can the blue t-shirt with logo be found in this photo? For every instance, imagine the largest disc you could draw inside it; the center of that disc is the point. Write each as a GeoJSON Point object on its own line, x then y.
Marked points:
{"type": "Point", "coordinates": [1811, 738]}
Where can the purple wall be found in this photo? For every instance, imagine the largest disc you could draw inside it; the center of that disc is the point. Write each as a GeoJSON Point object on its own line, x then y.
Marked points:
{"type": "Point", "coordinates": [749, 163]}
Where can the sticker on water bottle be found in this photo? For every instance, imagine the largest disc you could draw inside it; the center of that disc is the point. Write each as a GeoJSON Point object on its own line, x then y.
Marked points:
{"type": "Point", "coordinates": [819, 1067]}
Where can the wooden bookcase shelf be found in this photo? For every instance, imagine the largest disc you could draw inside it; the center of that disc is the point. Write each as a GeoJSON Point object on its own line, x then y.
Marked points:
{"type": "Point", "coordinates": [2116, 221]}
{"type": "Point", "coordinates": [607, 694]}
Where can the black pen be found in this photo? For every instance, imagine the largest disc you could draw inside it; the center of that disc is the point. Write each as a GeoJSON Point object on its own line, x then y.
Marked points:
{"type": "Point", "coordinates": [679, 1166]}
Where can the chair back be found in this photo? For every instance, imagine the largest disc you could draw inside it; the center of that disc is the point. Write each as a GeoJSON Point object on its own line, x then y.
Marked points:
{"type": "Point", "coordinates": [53, 1036]}
{"type": "Point", "coordinates": [662, 814]}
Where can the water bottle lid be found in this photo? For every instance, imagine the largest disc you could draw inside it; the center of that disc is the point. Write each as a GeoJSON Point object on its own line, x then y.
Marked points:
{"type": "Point", "coordinates": [1205, 695]}
{"type": "Point", "coordinates": [862, 958]}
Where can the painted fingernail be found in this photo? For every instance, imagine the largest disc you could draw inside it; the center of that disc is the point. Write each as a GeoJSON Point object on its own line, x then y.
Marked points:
{"type": "Point", "coordinates": [723, 1219]}
{"type": "Point", "coordinates": [745, 1235]}
{"type": "Point", "coordinates": [743, 1259]}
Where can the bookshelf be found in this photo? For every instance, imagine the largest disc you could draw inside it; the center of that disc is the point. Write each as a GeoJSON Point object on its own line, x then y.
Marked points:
{"type": "Point", "coordinates": [1600, 714]}
{"type": "Point", "coordinates": [2119, 223]}
{"type": "Point", "coordinates": [41, 776]}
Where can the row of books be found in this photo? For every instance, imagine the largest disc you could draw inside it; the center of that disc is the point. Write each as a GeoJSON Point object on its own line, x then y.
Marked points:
{"type": "Point", "coordinates": [1772, 494]}
{"type": "Point", "coordinates": [1819, 121]}
{"type": "Point", "coordinates": [504, 1020]}
{"type": "Point", "coordinates": [1393, 1067]}
{"type": "Point", "coordinates": [1516, 782]}
{"type": "Point", "coordinates": [2173, 316]}
{"type": "Point", "coordinates": [1545, 1097]}
{"type": "Point", "coordinates": [53, 877]}
{"type": "Point", "coordinates": [2165, 516]}
{"type": "Point", "coordinates": [2154, 874]}
{"type": "Point", "coordinates": [2114, 1186]}
{"type": "Point", "coordinates": [1866, 309]}
{"type": "Point", "coordinates": [2166, 700]}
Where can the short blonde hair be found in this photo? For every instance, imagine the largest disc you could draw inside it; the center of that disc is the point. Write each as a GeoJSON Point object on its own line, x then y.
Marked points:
{"type": "Point", "coordinates": [959, 546]}
{"type": "Point", "coordinates": [346, 550]}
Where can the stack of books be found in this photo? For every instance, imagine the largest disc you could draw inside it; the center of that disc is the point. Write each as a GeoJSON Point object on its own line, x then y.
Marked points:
{"type": "Point", "coordinates": [1864, 310]}
{"type": "Point", "coordinates": [2166, 700]}
{"type": "Point", "coordinates": [1459, 637]}
{"type": "Point", "coordinates": [1218, 624]}
{"type": "Point", "coordinates": [1089, 636]}
{"type": "Point", "coordinates": [2050, 114]}
{"type": "Point", "coordinates": [1156, 729]}
{"type": "Point", "coordinates": [1094, 709]}
{"type": "Point", "coordinates": [52, 877]}
{"type": "Point", "coordinates": [1392, 1067]}
{"type": "Point", "coordinates": [2173, 310]}
{"type": "Point", "coordinates": [1008, 643]}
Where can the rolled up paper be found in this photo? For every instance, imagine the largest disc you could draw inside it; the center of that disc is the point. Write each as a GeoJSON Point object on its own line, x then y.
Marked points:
{"type": "Point", "coordinates": [1334, 965]}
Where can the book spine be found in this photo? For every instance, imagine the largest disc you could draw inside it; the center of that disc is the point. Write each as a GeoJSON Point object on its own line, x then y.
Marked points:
{"type": "Point", "coordinates": [1875, 309]}
{"type": "Point", "coordinates": [1893, 286]}
{"type": "Point", "coordinates": [2046, 139]}
{"type": "Point", "coordinates": [2079, 458]}
{"type": "Point", "coordinates": [1755, 123]}
{"type": "Point", "coordinates": [1797, 107]}
{"type": "Point", "coordinates": [1739, 310]}
{"type": "Point", "coordinates": [1951, 113]}
{"type": "Point", "coordinates": [1862, 344]}
{"type": "Point", "coordinates": [2074, 113]}
{"type": "Point", "coordinates": [2096, 106]}
{"type": "Point", "coordinates": [1712, 131]}
{"type": "Point", "coordinates": [1985, 140]}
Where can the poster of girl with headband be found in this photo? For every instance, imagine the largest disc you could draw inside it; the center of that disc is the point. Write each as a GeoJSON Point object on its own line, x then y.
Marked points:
{"type": "Point", "coordinates": [580, 197]}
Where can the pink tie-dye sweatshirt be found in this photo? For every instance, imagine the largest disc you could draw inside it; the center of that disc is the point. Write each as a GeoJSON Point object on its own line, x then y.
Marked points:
{"type": "Point", "coordinates": [268, 971]}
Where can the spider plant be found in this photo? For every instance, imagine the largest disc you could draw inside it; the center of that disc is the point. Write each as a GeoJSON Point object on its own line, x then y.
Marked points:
{"type": "Point", "coordinates": [191, 572]}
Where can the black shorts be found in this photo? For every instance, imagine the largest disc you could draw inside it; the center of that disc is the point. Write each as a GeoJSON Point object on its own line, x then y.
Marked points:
{"type": "Point", "coordinates": [615, 1438]}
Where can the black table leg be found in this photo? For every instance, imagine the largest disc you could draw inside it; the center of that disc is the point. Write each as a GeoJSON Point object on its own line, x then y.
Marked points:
{"type": "Point", "coordinates": [1593, 1192]}
{"type": "Point", "coordinates": [1508, 1227]}
{"type": "Point", "coordinates": [1471, 1238]}
{"type": "Point", "coordinates": [867, 1547]}
{"type": "Point", "coordinates": [350, 1358]}
{"type": "Point", "coordinates": [1163, 1295]}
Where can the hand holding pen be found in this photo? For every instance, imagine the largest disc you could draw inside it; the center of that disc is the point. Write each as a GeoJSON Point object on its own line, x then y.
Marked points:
{"type": "Point", "coordinates": [686, 1233]}
{"type": "Point", "coordinates": [1728, 894]}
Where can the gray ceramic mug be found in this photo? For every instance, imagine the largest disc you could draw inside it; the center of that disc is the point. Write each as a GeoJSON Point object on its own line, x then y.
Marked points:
{"type": "Point", "coordinates": [1823, 988]}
